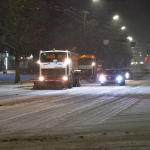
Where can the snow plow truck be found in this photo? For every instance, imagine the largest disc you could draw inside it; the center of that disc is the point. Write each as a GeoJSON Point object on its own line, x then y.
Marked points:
{"type": "Point", "coordinates": [58, 68]}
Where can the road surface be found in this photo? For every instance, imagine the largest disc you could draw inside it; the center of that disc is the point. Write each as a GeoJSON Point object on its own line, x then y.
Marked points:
{"type": "Point", "coordinates": [90, 117]}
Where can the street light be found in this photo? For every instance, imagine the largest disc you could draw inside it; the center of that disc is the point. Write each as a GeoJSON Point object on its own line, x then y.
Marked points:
{"type": "Point", "coordinates": [115, 17]}
{"type": "Point", "coordinates": [129, 38]}
{"type": "Point", "coordinates": [95, 0]}
{"type": "Point", "coordinates": [123, 28]}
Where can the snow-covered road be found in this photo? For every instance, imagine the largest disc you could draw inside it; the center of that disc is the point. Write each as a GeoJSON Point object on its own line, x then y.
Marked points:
{"type": "Point", "coordinates": [87, 117]}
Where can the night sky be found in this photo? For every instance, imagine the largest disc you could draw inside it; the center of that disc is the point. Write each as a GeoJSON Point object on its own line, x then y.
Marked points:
{"type": "Point", "coordinates": [134, 14]}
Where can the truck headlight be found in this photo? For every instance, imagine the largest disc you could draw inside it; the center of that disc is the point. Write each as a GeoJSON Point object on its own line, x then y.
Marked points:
{"type": "Point", "coordinates": [38, 62]}
{"type": "Point", "coordinates": [93, 63]}
{"type": "Point", "coordinates": [65, 78]}
{"type": "Point", "coordinates": [119, 79]}
{"type": "Point", "coordinates": [67, 61]}
{"type": "Point", "coordinates": [41, 78]}
{"type": "Point", "coordinates": [127, 75]}
{"type": "Point", "coordinates": [102, 78]}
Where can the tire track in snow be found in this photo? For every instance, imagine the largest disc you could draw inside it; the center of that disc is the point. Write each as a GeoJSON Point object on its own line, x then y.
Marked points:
{"type": "Point", "coordinates": [65, 110]}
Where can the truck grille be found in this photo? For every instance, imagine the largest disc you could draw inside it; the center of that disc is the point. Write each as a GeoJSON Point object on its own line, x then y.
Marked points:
{"type": "Point", "coordinates": [53, 73]}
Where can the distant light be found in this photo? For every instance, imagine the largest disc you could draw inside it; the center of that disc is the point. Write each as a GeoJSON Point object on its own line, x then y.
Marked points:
{"type": "Point", "coordinates": [41, 78]}
{"type": "Point", "coordinates": [95, 0]}
{"type": "Point", "coordinates": [123, 28]}
{"type": "Point", "coordinates": [129, 38]}
{"type": "Point", "coordinates": [141, 62]}
{"type": "Point", "coordinates": [6, 63]}
{"type": "Point", "coordinates": [38, 62]}
{"type": "Point", "coordinates": [115, 17]}
{"type": "Point", "coordinates": [147, 55]}
{"type": "Point", "coordinates": [31, 56]}
{"type": "Point", "coordinates": [93, 63]}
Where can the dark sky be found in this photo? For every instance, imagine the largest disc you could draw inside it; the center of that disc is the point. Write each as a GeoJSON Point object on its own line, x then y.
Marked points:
{"type": "Point", "coordinates": [134, 14]}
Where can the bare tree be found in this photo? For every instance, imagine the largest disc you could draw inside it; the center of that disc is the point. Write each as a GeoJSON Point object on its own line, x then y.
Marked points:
{"type": "Point", "coordinates": [15, 20]}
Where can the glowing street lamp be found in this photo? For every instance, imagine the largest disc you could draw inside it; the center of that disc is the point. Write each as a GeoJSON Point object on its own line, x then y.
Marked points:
{"type": "Point", "coordinates": [115, 17]}
{"type": "Point", "coordinates": [95, 0]}
{"type": "Point", "coordinates": [123, 28]}
{"type": "Point", "coordinates": [129, 38]}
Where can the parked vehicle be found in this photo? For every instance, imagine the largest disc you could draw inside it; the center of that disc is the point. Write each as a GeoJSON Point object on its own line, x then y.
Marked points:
{"type": "Point", "coordinates": [127, 73]}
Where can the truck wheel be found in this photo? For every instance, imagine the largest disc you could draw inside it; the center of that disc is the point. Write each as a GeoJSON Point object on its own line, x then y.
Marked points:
{"type": "Point", "coordinates": [70, 84]}
{"type": "Point", "coordinates": [74, 83]}
{"type": "Point", "coordinates": [78, 82]}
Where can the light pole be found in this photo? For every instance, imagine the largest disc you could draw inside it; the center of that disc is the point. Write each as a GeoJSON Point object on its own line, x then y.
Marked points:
{"type": "Point", "coordinates": [85, 12]}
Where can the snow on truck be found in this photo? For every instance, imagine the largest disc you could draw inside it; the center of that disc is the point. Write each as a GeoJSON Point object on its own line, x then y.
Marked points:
{"type": "Point", "coordinates": [58, 68]}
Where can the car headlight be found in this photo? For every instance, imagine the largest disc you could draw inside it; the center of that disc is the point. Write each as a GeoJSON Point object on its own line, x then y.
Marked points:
{"type": "Point", "coordinates": [65, 78]}
{"type": "Point", "coordinates": [67, 61]}
{"type": "Point", "coordinates": [102, 78]}
{"type": "Point", "coordinates": [119, 78]}
{"type": "Point", "coordinates": [127, 75]}
{"type": "Point", "coordinates": [41, 78]}
{"type": "Point", "coordinates": [93, 63]}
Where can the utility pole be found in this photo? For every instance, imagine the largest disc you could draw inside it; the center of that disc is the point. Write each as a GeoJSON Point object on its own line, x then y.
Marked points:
{"type": "Point", "coordinates": [85, 12]}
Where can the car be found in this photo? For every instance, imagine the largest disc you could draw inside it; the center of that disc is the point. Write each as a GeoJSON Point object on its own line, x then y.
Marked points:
{"type": "Point", "coordinates": [112, 76]}
{"type": "Point", "coordinates": [127, 73]}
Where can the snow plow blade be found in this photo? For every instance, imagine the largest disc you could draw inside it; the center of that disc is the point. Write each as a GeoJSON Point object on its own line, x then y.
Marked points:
{"type": "Point", "coordinates": [49, 83]}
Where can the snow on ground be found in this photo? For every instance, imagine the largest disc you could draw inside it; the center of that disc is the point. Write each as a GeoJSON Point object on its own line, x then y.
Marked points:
{"type": "Point", "coordinates": [87, 117]}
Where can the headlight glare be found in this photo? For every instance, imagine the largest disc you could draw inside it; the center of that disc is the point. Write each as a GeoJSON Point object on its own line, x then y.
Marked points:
{"type": "Point", "coordinates": [127, 75]}
{"type": "Point", "coordinates": [119, 78]}
{"type": "Point", "coordinates": [38, 62]}
{"type": "Point", "coordinates": [102, 78]}
{"type": "Point", "coordinates": [41, 78]}
{"type": "Point", "coordinates": [93, 63]}
{"type": "Point", "coordinates": [65, 78]}
{"type": "Point", "coordinates": [67, 61]}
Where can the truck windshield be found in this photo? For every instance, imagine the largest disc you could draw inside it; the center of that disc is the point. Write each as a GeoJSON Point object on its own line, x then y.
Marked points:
{"type": "Point", "coordinates": [85, 61]}
{"type": "Point", "coordinates": [53, 57]}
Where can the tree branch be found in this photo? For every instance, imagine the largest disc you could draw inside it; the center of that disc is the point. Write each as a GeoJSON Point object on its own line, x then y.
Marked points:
{"type": "Point", "coordinates": [24, 32]}
{"type": "Point", "coordinates": [7, 32]}
{"type": "Point", "coordinates": [6, 43]}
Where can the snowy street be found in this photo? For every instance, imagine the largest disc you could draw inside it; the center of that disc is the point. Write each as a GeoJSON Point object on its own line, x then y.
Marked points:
{"type": "Point", "coordinates": [86, 117]}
